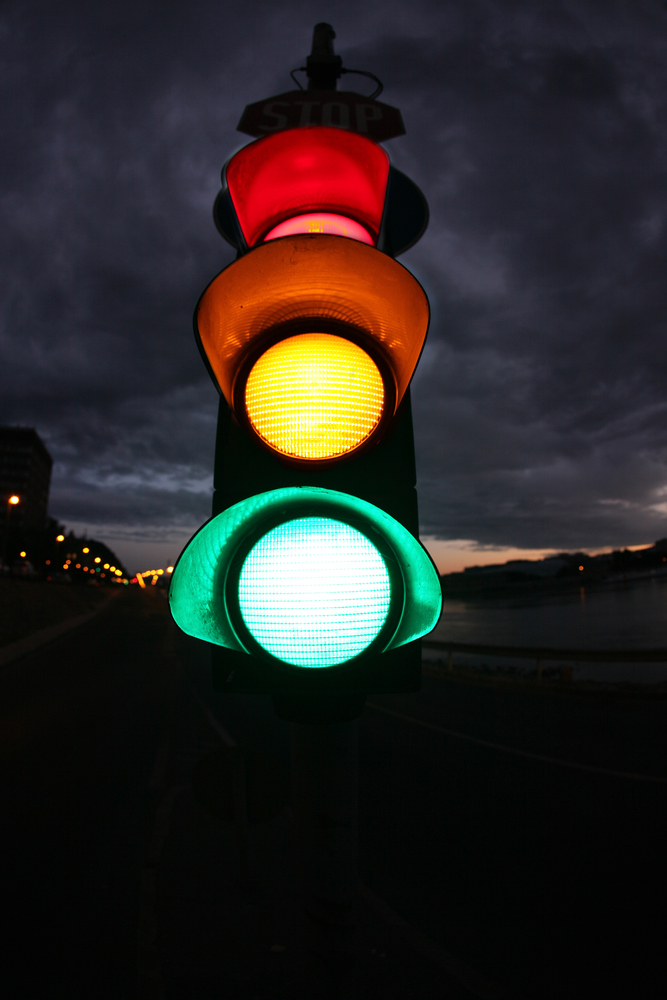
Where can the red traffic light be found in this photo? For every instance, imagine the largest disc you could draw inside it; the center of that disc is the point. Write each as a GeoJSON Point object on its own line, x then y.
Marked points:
{"type": "Point", "coordinates": [315, 179]}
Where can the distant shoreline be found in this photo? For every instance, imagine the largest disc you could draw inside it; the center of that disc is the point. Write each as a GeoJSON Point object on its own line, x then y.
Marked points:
{"type": "Point", "coordinates": [570, 573]}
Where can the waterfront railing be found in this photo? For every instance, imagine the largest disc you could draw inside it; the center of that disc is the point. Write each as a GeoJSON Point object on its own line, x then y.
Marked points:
{"type": "Point", "coordinates": [541, 655]}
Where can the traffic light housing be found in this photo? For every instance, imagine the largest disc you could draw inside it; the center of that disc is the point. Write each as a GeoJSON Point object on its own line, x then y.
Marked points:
{"type": "Point", "coordinates": [309, 581]}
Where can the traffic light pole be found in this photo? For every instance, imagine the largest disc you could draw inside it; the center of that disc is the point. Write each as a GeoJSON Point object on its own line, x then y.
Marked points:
{"type": "Point", "coordinates": [325, 781]}
{"type": "Point", "coordinates": [309, 580]}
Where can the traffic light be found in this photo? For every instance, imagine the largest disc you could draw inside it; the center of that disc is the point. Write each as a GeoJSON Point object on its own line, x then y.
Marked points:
{"type": "Point", "coordinates": [312, 340]}
{"type": "Point", "coordinates": [305, 577]}
{"type": "Point", "coordinates": [309, 581]}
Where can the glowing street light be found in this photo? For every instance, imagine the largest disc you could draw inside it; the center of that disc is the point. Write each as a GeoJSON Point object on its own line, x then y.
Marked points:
{"type": "Point", "coordinates": [12, 501]}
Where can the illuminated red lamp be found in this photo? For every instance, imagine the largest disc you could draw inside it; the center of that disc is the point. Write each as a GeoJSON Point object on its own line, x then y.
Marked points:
{"type": "Point", "coordinates": [321, 222]}
{"type": "Point", "coordinates": [316, 179]}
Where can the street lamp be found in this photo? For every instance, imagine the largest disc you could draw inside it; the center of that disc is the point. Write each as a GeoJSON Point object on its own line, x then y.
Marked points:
{"type": "Point", "coordinates": [12, 501]}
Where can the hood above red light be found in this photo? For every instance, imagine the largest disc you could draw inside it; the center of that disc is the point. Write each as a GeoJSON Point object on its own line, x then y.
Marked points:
{"type": "Point", "coordinates": [307, 170]}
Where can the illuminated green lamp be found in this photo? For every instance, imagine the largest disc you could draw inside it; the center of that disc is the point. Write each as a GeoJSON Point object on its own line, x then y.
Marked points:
{"type": "Point", "coordinates": [306, 578]}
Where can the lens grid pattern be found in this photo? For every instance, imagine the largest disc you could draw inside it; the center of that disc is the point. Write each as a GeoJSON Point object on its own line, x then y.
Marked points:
{"type": "Point", "coordinates": [314, 396]}
{"type": "Point", "coordinates": [314, 592]}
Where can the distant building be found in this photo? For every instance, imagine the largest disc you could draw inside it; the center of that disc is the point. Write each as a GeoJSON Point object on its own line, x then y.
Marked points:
{"type": "Point", "coordinates": [25, 470]}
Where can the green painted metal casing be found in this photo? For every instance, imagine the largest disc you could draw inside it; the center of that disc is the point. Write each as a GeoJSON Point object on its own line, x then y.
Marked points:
{"type": "Point", "coordinates": [199, 588]}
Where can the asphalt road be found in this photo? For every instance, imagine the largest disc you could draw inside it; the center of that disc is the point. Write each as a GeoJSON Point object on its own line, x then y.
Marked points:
{"type": "Point", "coordinates": [80, 721]}
{"type": "Point", "coordinates": [548, 878]}
{"type": "Point", "coordinates": [520, 831]}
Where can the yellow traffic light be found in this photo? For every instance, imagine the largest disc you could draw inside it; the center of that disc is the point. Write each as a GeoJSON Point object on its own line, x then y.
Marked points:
{"type": "Point", "coordinates": [314, 396]}
{"type": "Point", "coordinates": [340, 324]}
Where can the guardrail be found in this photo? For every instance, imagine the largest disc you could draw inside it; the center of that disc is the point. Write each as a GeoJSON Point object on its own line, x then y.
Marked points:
{"type": "Point", "coordinates": [540, 654]}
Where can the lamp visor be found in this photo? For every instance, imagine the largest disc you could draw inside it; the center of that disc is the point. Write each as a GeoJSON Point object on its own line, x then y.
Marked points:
{"type": "Point", "coordinates": [312, 278]}
{"type": "Point", "coordinates": [303, 170]}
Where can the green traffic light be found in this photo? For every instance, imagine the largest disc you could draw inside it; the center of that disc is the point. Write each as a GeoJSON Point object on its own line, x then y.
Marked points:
{"type": "Point", "coordinates": [314, 592]}
{"type": "Point", "coordinates": [306, 577]}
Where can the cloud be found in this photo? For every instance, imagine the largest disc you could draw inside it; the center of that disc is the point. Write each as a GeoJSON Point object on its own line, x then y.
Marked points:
{"type": "Point", "coordinates": [538, 135]}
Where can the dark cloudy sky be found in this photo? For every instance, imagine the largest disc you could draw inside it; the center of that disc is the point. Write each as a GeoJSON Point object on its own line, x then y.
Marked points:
{"type": "Point", "coordinates": [538, 132]}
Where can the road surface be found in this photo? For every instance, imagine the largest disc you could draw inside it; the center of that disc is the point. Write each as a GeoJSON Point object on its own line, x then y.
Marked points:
{"type": "Point", "coordinates": [514, 836]}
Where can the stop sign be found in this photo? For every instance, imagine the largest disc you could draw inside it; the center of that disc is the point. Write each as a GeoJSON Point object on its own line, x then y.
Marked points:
{"type": "Point", "coordinates": [337, 109]}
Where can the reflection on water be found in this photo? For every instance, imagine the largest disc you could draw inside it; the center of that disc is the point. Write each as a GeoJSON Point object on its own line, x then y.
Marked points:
{"type": "Point", "coordinates": [618, 616]}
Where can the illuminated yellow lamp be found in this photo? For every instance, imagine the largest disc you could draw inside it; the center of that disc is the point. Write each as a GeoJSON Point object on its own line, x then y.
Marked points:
{"type": "Point", "coordinates": [65, 566]}
{"type": "Point", "coordinates": [140, 581]}
{"type": "Point", "coordinates": [154, 580]}
{"type": "Point", "coordinates": [14, 500]}
{"type": "Point", "coordinates": [170, 569]}
{"type": "Point", "coordinates": [112, 568]}
{"type": "Point", "coordinates": [106, 565]}
{"type": "Point", "coordinates": [22, 555]}
{"type": "Point", "coordinates": [160, 572]}
{"type": "Point", "coordinates": [61, 538]}
{"type": "Point", "coordinates": [85, 550]}
{"type": "Point", "coordinates": [118, 572]}
{"type": "Point", "coordinates": [97, 559]}
{"type": "Point", "coordinates": [314, 396]}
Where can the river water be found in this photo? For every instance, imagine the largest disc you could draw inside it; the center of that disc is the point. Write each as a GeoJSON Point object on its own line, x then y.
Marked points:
{"type": "Point", "coordinates": [631, 615]}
